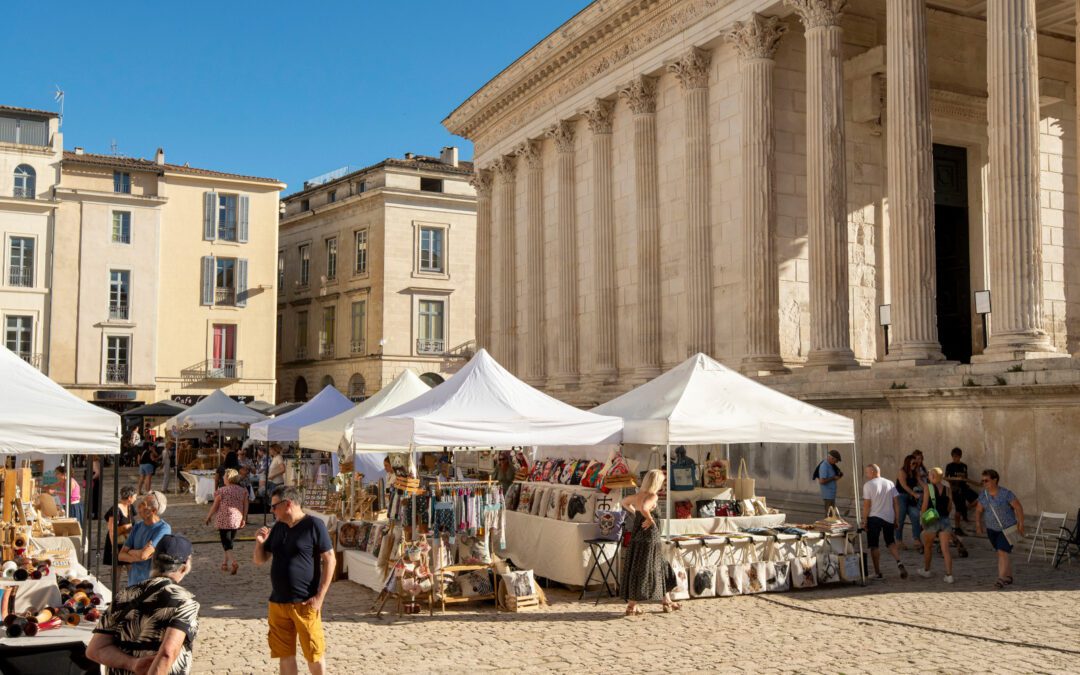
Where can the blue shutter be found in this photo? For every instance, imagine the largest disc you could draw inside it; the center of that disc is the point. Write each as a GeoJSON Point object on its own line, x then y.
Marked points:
{"type": "Point", "coordinates": [208, 270]}
{"type": "Point", "coordinates": [210, 208]}
{"type": "Point", "coordinates": [241, 282]}
{"type": "Point", "coordinates": [242, 220]}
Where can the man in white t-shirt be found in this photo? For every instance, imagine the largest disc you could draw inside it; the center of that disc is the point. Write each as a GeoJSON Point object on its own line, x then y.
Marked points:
{"type": "Point", "coordinates": [880, 508]}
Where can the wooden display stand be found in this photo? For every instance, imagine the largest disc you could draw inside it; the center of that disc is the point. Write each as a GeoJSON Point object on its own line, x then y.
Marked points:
{"type": "Point", "coordinates": [18, 486]}
{"type": "Point", "coordinates": [456, 569]}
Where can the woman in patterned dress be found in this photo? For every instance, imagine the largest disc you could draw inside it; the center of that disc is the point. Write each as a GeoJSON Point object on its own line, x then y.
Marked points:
{"type": "Point", "coordinates": [644, 578]}
{"type": "Point", "coordinates": [231, 508]}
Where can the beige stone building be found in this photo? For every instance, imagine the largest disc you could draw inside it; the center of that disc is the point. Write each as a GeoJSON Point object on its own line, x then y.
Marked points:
{"type": "Point", "coordinates": [377, 271]}
{"type": "Point", "coordinates": [771, 181]}
{"type": "Point", "coordinates": [164, 285]}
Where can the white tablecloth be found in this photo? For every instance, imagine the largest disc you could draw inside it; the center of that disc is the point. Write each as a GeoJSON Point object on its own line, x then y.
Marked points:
{"type": "Point", "coordinates": [202, 482]}
{"type": "Point", "coordinates": [329, 519]}
{"type": "Point", "coordinates": [712, 525]}
{"type": "Point", "coordinates": [37, 593]}
{"type": "Point", "coordinates": [68, 544]}
{"type": "Point", "coordinates": [57, 636]}
{"type": "Point", "coordinates": [363, 569]}
{"type": "Point", "coordinates": [554, 549]}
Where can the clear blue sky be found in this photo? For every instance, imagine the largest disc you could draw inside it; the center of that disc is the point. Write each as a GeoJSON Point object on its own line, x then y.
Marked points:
{"type": "Point", "coordinates": [289, 91]}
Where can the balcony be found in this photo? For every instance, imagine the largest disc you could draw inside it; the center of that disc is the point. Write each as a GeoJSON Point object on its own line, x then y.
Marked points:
{"type": "Point", "coordinates": [301, 352]}
{"type": "Point", "coordinates": [326, 350]}
{"type": "Point", "coordinates": [23, 192]}
{"type": "Point", "coordinates": [357, 347]}
{"type": "Point", "coordinates": [431, 347]}
{"type": "Point", "coordinates": [116, 373]}
{"type": "Point", "coordinates": [213, 370]}
{"type": "Point", "coordinates": [32, 359]}
{"type": "Point", "coordinates": [225, 297]}
{"type": "Point", "coordinates": [118, 311]}
{"type": "Point", "coordinates": [21, 275]}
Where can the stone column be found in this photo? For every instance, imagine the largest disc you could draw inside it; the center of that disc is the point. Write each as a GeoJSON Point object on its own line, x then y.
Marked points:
{"type": "Point", "coordinates": [640, 95]}
{"type": "Point", "coordinates": [1016, 274]}
{"type": "Point", "coordinates": [567, 327]}
{"type": "Point", "coordinates": [535, 293]}
{"type": "Point", "coordinates": [826, 183]}
{"type": "Point", "coordinates": [599, 116]}
{"type": "Point", "coordinates": [692, 71]}
{"type": "Point", "coordinates": [481, 181]}
{"type": "Point", "coordinates": [506, 341]}
{"type": "Point", "coordinates": [910, 154]}
{"type": "Point", "coordinates": [756, 41]}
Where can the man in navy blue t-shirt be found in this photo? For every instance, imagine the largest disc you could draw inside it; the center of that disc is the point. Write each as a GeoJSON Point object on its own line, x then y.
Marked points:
{"type": "Point", "coordinates": [301, 569]}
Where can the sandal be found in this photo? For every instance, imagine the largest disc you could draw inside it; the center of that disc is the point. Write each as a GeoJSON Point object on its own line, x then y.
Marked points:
{"type": "Point", "coordinates": [1007, 580]}
{"type": "Point", "coordinates": [235, 568]}
{"type": "Point", "coordinates": [224, 567]}
{"type": "Point", "coordinates": [1000, 583]}
{"type": "Point", "coordinates": [634, 611]}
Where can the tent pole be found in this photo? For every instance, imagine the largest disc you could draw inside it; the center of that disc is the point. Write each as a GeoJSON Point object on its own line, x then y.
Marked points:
{"type": "Point", "coordinates": [667, 490]}
{"type": "Point", "coordinates": [858, 511]}
{"type": "Point", "coordinates": [219, 443]}
{"type": "Point", "coordinates": [116, 524]}
{"type": "Point", "coordinates": [67, 486]}
{"type": "Point", "coordinates": [88, 537]}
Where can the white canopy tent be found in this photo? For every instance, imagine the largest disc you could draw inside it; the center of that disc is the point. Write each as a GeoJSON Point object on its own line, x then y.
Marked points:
{"type": "Point", "coordinates": [286, 428]}
{"type": "Point", "coordinates": [38, 415]}
{"type": "Point", "coordinates": [484, 405]}
{"type": "Point", "coordinates": [216, 411]}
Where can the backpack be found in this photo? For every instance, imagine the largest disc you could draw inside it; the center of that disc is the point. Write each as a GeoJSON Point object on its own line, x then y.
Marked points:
{"type": "Point", "coordinates": [817, 471]}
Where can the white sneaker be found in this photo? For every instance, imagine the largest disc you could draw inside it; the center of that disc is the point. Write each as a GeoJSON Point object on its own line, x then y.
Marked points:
{"type": "Point", "coordinates": [948, 579]}
{"type": "Point", "coordinates": [925, 574]}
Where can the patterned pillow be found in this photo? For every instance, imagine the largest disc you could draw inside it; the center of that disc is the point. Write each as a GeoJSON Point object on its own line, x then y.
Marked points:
{"type": "Point", "coordinates": [519, 584]}
{"type": "Point", "coordinates": [539, 502]}
{"type": "Point", "coordinates": [473, 550]}
{"type": "Point", "coordinates": [512, 496]}
{"type": "Point", "coordinates": [581, 508]}
{"type": "Point", "coordinates": [525, 500]}
{"type": "Point", "coordinates": [552, 508]}
{"type": "Point", "coordinates": [475, 583]}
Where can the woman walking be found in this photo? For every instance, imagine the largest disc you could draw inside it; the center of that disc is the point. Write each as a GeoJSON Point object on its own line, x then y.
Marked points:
{"type": "Point", "coordinates": [1001, 516]}
{"type": "Point", "coordinates": [910, 491]}
{"type": "Point", "coordinates": [231, 508]}
{"type": "Point", "coordinates": [122, 514]}
{"type": "Point", "coordinates": [147, 466]}
{"type": "Point", "coordinates": [644, 578]}
{"type": "Point", "coordinates": [936, 524]}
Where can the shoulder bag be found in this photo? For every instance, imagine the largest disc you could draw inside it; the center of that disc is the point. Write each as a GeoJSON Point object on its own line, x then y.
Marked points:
{"type": "Point", "coordinates": [743, 483]}
{"type": "Point", "coordinates": [930, 516]}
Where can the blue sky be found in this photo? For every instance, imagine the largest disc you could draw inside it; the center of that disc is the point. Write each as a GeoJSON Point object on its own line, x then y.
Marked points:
{"type": "Point", "coordinates": [289, 91]}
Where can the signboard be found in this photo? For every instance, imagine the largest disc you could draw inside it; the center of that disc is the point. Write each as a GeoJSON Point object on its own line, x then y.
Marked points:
{"type": "Point", "coordinates": [115, 395]}
{"type": "Point", "coordinates": [192, 399]}
{"type": "Point", "coordinates": [982, 302]}
{"type": "Point", "coordinates": [884, 315]}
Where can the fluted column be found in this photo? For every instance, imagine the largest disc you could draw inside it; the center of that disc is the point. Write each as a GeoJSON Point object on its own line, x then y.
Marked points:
{"type": "Point", "coordinates": [506, 342]}
{"type": "Point", "coordinates": [826, 183]}
{"type": "Point", "coordinates": [599, 116]}
{"type": "Point", "coordinates": [640, 95]}
{"type": "Point", "coordinates": [756, 41]}
{"type": "Point", "coordinates": [1016, 274]}
{"type": "Point", "coordinates": [692, 71]}
{"type": "Point", "coordinates": [566, 358]}
{"type": "Point", "coordinates": [910, 155]}
{"type": "Point", "coordinates": [535, 293]}
{"type": "Point", "coordinates": [481, 181]}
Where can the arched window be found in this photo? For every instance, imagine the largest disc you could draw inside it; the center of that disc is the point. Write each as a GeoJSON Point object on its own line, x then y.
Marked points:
{"type": "Point", "coordinates": [432, 379]}
{"type": "Point", "coordinates": [327, 381]}
{"type": "Point", "coordinates": [357, 386]}
{"type": "Point", "coordinates": [25, 182]}
{"type": "Point", "coordinates": [300, 389]}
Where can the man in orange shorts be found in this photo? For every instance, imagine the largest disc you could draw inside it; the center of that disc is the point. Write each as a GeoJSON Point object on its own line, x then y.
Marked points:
{"type": "Point", "coordinates": [301, 569]}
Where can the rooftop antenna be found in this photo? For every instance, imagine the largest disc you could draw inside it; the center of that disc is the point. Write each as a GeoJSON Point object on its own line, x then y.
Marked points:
{"type": "Point", "coordinates": [59, 96]}
{"type": "Point", "coordinates": [114, 148]}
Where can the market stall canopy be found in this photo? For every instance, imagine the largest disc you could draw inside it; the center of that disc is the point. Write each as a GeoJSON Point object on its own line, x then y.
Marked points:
{"type": "Point", "coordinates": [260, 406]}
{"type": "Point", "coordinates": [215, 411]}
{"type": "Point", "coordinates": [335, 434]}
{"type": "Point", "coordinates": [160, 409]}
{"type": "Point", "coordinates": [38, 415]}
{"type": "Point", "coordinates": [282, 408]}
{"type": "Point", "coordinates": [484, 405]}
{"type": "Point", "coordinates": [286, 428]}
{"type": "Point", "coordinates": [701, 401]}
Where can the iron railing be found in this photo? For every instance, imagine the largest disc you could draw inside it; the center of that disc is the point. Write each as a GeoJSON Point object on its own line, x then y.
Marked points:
{"type": "Point", "coordinates": [326, 350]}
{"type": "Point", "coordinates": [21, 192]}
{"type": "Point", "coordinates": [357, 347]}
{"type": "Point", "coordinates": [430, 346]}
{"type": "Point", "coordinates": [119, 310]}
{"type": "Point", "coordinates": [21, 275]}
{"type": "Point", "coordinates": [116, 373]}
{"type": "Point", "coordinates": [32, 359]}
{"type": "Point", "coordinates": [225, 297]}
{"type": "Point", "coordinates": [301, 352]}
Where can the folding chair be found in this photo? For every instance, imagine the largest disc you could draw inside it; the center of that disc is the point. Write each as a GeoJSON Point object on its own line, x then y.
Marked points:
{"type": "Point", "coordinates": [1044, 535]}
{"type": "Point", "coordinates": [1067, 539]}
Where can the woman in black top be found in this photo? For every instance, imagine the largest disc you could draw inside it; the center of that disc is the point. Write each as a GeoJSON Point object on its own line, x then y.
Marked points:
{"type": "Point", "coordinates": [938, 497]}
{"type": "Point", "coordinates": [910, 493]}
{"type": "Point", "coordinates": [122, 513]}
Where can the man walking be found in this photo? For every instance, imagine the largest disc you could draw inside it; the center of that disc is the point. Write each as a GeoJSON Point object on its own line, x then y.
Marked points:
{"type": "Point", "coordinates": [881, 504]}
{"type": "Point", "coordinates": [826, 474]}
{"type": "Point", "coordinates": [301, 569]}
{"type": "Point", "coordinates": [144, 537]}
{"type": "Point", "coordinates": [151, 626]}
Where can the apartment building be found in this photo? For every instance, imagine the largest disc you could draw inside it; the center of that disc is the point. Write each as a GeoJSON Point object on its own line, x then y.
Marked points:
{"type": "Point", "coordinates": [377, 274]}
{"type": "Point", "coordinates": [31, 147]}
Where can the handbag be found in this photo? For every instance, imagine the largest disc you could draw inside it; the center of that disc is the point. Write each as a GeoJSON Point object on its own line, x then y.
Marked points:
{"type": "Point", "coordinates": [715, 472]}
{"type": "Point", "coordinates": [850, 564]}
{"type": "Point", "coordinates": [777, 571]}
{"type": "Point", "coordinates": [616, 476]}
{"type": "Point", "coordinates": [930, 516]}
{"type": "Point", "coordinates": [828, 565]}
{"type": "Point", "coordinates": [803, 568]}
{"type": "Point", "coordinates": [756, 572]}
{"type": "Point", "coordinates": [743, 483]}
{"type": "Point", "coordinates": [676, 582]}
{"type": "Point", "coordinates": [702, 575]}
{"type": "Point", "coordinates": [684, 509]}
{"type": "Point", "coordinates": [594, 472]}
{"type": "Point", "coordinates": [1012, 532]}
{"type": "Point", "coordinates": [706, 508]}
{"type": "Point", "coordinates": [726, 509]}
{"type": "Point", "coordinates": [732, 575]}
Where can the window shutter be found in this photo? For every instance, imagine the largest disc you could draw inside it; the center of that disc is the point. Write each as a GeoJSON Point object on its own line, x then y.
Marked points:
{"type": "Point", "coordinates": [242, 217]}
{"type": "Point", "coordinates": [210, 208]}
{"type": "Point", "coordinates": [208, 279]}
{"type": "Point", "coordinates": [241, 282]}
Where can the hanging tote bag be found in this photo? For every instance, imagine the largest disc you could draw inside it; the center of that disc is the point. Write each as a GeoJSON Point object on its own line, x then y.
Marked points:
{"type": "Point", "coordinates": [684, 474]}
{"type": "Point", "coordinates": [756, 572]}
{"type": "Point", "coordinates": [678, 582]}
{"type": "Point", "coordinates": [732, 574]}
{"type": "Point", "coordinates": [702, 574]}
{"type": "Point", "coordinates": [850, 563]}
{"type": "Point", "coordinates": [828, 564]}
{"type": "Point", "coordinates": [743, 483]}
{"type": "Point", "coordinates": [803, 568]}
{"type": "Point", "coordinates": [715, 472]}
{"type": "Point", "coordinates": [777, 571]}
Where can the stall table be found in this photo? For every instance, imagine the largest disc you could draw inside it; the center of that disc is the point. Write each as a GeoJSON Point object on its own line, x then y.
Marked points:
{"type": "Point", "coordinates": [553, 549]}
{"type": "Point", "coordinates": [202, 484]}
{"type": "Point", "coordinates": [363, 568]}
{"type": "Point", "coordinates": [61, 651]}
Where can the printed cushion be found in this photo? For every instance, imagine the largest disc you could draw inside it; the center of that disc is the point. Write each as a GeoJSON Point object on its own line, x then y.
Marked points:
{"type": "Point", "coordinates": [473, 550]}
{"type": "Point", "coordinates": [512, 497]}
{"type": "Point", "coordinates": [552, 509]}
{"type": "Point", "coordinates": [519, 584]}
{"type": "Point", "coordinates": [581, 508]}
{"type": "Point", "coordinates": [524, 504]}
{"type": "Point", "coordinates": [539, 502]}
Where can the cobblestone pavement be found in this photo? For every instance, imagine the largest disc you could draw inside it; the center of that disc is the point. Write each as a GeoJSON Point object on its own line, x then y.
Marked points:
{"type": "Point", "coordinates": [917, 625]}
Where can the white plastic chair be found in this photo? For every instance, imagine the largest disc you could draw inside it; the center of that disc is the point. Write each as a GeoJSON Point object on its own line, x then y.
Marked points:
{"type": "Point", "coordinates": [1049, 541]}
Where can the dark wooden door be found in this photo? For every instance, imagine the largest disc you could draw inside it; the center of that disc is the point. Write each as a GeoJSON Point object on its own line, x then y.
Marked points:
{"type": "Point", "coordinates": [953, 252]}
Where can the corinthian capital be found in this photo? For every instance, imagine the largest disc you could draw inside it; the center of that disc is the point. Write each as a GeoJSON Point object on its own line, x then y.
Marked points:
{"type": "Point", "coordinates": [530, 152]}
{"type": "Point", "coordinates": [599, 116]}
{"type": "Point", "coordinates": [818, 13]}
{"type": "Point", "coordinates": [758, 37]}
{"type": "Point", "coordinates": [640, 94]}
{"type": "Point", "coordinates": [692, 69]}
{"type": "Point", "coordinates": [563, 135]}
{"type": "Point", "coordinates": [505, 167]}
{"type": "Point", "coordinates": [481, 182]}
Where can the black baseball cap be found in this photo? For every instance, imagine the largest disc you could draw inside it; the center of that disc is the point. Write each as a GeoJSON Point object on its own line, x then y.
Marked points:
{"type": "Point", "coordinates": [175, 546]}
{"type": "Point", "coordinates": [835, 454]}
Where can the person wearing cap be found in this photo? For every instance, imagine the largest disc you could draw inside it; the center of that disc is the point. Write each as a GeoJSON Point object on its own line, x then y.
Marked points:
{"type": "Point", "coordinates": [826, 474]}
{"type": "Point", "coordinates": [151, 626]}
{"type": "Point", "coordinates": [144, 537]}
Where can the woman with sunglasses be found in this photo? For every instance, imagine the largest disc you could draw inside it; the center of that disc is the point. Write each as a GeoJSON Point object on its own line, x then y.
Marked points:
{"type": "Point", "coordinates": [999, 513]}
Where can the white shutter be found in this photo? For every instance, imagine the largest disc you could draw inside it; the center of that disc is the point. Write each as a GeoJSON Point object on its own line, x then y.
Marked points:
{"type": "Point", "coordinates": [242, 218]}
{"type": "Point", "coordinates": [208, 273]}
{"type": "Point", "coordinates": [210, 209]}
{"type": "Point", "coordinates": [241, 282]}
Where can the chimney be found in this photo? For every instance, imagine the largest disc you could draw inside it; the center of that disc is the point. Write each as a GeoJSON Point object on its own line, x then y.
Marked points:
{"type": "Point", "coordinates": [449, 155]}
{"type": "Point", "coordinates": [159, 158]}
{"type": "Point", "coordinates": [409, 155]}
{"type": "Point", "coordinates": [78, 151]}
